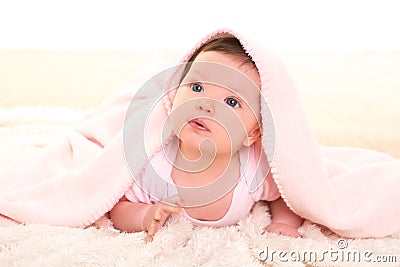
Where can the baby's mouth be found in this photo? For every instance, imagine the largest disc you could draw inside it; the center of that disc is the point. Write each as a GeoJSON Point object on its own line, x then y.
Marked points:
{"type": "Point", "coordinates": [198, 125]}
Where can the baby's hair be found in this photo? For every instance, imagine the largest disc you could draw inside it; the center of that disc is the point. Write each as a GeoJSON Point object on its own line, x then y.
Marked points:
{"type": "Point", "coordinates": [227, 44]}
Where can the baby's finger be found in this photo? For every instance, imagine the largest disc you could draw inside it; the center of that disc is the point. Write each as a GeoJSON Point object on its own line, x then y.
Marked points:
{"type": "Point", "coordinates": [158, 213]}
{"type": "Point", "coordinates": [161, 216]}
{"type": "Point", "coordinates": [172, 209]}
{"type": "Point", "coordinates": [175, 200]}
{"type": "Point", "coordinates": [154, 227]}
{"type": "Point", "coordinates": [149, 238]}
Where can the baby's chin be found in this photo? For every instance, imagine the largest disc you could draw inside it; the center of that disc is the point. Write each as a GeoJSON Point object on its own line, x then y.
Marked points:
{"type": "Point", "coordinates": [209, 148]}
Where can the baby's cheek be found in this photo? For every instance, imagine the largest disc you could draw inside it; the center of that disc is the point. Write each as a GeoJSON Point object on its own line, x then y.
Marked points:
{"type": "Point", "coordinates": [230, 141]}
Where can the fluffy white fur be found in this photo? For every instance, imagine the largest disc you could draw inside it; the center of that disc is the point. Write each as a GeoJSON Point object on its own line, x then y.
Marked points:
{"type": "Point", "coordinates": [25, 131]}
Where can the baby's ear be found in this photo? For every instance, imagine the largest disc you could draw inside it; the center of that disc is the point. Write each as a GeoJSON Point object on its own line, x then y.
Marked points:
{"type": "Point", "coordinates": [252, 137]}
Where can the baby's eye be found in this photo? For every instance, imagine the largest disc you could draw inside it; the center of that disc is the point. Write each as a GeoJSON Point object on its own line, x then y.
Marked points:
{"type": "Point", "coordinates": [232, 102]}
{"type": "Point", "coordinates": [197, 88]}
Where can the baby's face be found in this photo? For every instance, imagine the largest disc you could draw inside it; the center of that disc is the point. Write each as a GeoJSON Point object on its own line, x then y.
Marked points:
{"type": "Point", "coordinates": [224, 108]}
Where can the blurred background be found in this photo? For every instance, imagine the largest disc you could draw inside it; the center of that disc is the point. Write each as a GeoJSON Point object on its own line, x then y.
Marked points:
{"type": "Point", "coordinates": [78, 46]}
{"type": "Point", "coordinates": [308, 25]}
{"type": "Point", "coordinates": [344, 55]}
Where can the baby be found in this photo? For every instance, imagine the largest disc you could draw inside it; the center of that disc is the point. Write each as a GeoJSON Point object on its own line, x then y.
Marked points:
{"type": "Point", "coordinates": [206, 118]}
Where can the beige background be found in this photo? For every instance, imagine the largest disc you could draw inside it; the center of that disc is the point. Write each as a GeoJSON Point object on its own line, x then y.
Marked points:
{"type": "Point", "coordinates": [351, 99]}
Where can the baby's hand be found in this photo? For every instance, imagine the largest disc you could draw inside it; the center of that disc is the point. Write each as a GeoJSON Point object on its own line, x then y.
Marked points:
{"type": "Point", "coordinates": [282, 229]}
{"type": "Point", "coordinates": [156, 216]}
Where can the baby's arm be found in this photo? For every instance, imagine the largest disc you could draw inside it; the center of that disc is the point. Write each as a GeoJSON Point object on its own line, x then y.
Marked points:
{"type": "Point", "coordinates": [283, 220]}
{"type": "Point", "coordinates": [135, 217]}
{"type": "Point", "coordinates": [128, 216]}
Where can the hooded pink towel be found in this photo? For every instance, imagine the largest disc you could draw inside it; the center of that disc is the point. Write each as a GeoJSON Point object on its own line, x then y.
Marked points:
{"type": "Point", "coordinates": [79, 178]}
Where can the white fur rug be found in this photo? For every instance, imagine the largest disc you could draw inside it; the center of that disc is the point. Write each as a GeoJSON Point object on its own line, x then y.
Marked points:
{"type": "Point", "coordinates": [25, 131]}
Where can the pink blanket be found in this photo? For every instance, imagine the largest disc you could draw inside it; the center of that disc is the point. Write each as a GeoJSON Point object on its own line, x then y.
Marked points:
{"type": "Point", "coordinates": [79, 178]}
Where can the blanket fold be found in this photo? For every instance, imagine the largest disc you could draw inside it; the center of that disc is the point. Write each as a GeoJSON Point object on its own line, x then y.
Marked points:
{"type": "Point", "coordinates": [79, 178]}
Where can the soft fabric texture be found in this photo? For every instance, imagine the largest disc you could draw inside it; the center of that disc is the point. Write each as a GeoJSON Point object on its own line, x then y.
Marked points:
{"type": "Point", "coordinates": [25, 131]}
{"type": "Point", "coordinates": [80, 177]}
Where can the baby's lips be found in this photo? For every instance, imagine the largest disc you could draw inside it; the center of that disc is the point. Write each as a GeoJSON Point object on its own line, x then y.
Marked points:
{"type": "Point", "coordinates": [200, 122]}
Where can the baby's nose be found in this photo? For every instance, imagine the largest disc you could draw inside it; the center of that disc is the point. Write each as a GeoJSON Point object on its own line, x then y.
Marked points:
{"type": "Point", "coordinates": [205, 106]}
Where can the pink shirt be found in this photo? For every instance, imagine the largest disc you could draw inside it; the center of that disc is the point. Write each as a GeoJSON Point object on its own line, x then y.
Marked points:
{"type": "Point", "coordinates": [244, 196]}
